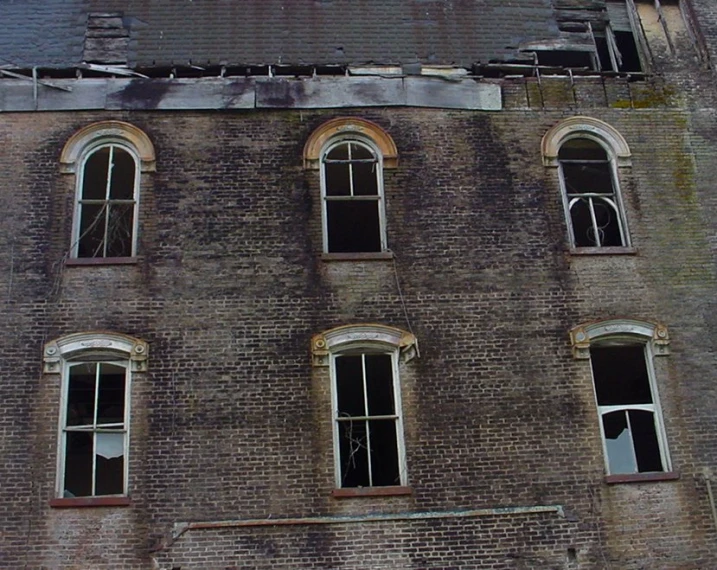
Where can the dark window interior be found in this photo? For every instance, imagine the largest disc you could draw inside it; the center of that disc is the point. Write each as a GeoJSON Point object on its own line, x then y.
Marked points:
{"type": "Point", "coordinates": [628, 51]}
{"type": "Point", "coordinates": [107, 205]}
{"type": "Point", "coordinates": [366, 439]}
{"type": "Point", "coordinates": [352, 199]}
{"type": "Point", "coordinates": [621, 379]}
{"type": "Point", "coordinates": [565, 58]}
{"type": "Point", "coordinates": [95, 430]}
{"type": "Point", "coordinates": [588, 180]}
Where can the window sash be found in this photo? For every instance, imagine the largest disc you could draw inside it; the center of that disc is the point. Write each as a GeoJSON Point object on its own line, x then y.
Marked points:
{"type": "Point", "coordinates": [352, 196]}
{"type": "Point", "coordinates": [570, 198]}
{"type": "Point", "coordinates": [103, 216]}
{"type": "Point", "coordinates": [654, 408]}
{"type": "Point", "coordinates": [367, 419]}
{"type": "Point", "coordinates": [94, 429]}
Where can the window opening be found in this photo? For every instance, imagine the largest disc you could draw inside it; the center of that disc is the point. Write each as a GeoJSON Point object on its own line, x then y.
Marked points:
{"type": "Point", "coordinates": [626, 406]}
{"type": "Point", "coordinates": [107, 203]}
{"type": "Point", "coordinates": [367, 423]}
{"type": "Point", "coordinates": [616, 45]}
{"type": "Point", "coordinates": [95, 430]}
{"type": "Point", "coordinates": [588, 179]}
{"type": "Point", "coordinates": [565, 58]}
{"type": "Point", "coordinates": [352, 198]}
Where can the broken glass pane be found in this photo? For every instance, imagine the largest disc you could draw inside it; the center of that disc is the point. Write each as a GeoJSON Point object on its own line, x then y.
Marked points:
{"type": "Point", "coordinates": [337, 179]}
{"type": "Point", "coordinates": [588, 178]}
{"type": "Point", "coordinates": [339, 152]}
{"type": "Point", "coordinates": [78, 464]}
{"type": "Point", "coordinates": [608, 225]}
{"type": "Point", "coordinates": [647, 448]}
{"type": "Point", "coordinates": [361, 152]}
{"type": "Point", "coordinates": [123, 171]}
{"type": "Point", "coordinates": [119, 230]}
{"type": "Point", "coordinates": [353, 226]}
{"type": "Point", "coordinates": [582, 149]}
{"type": "Point", "coordinates": [353, 452]}
{"type": "Point", "coordinates": [618, 442]}
{"type": "Point", "coordinates": [111, 395]}
{"type": "Point", "coordinates": [379, 384]}
{"type": "Point", "coordinates": [384, 453]}
{"type": "Point", "coordinates": [94, 181]}
{"type": "Point", "coordinates": [365, 181]}
{"type": "Point", "coordinates": [92, 230]}
{"type": "Point", "coordinates": [582, 222]}
{"type": "Point", "coordinates": [349, 385]}
{"type": "Point", "coordinates": [620, 375]}
{"type": "Point", "coordinates": [109, 454]}
{"type": "Point", "coordinates": [81, 394]}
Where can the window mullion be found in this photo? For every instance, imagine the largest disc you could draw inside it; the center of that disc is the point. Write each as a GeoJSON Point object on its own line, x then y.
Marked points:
{"type": "Point", "coordinates": [108, 189]}
{"type": "Point", "coordinates": [351, 170]}
{"type": "Point", "coordinates": [632, 441]}
{"type": "Point", "coordinates": [367, 421]}
{"type": "Point", "coordinates": [98, 368]}
{"type": "Point", "coordinates": [596, 229]}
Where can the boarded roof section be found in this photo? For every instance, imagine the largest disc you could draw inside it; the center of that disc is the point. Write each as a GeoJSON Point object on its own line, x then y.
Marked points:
{"type": "Point", "coordinates": [46, 33]}
{"type": "Point", "coordinates": [289, 32]}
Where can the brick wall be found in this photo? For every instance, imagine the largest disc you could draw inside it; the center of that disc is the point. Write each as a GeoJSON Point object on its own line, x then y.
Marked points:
{"type": "Point", "coordinates": [232, 423]}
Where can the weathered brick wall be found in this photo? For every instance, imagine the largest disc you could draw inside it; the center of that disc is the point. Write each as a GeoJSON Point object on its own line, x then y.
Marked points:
{"type": "Point", "coordinates": [231, 422]}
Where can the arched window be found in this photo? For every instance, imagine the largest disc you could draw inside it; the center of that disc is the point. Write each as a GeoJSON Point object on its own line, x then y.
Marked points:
{"type": "Point", "coordinates": [96, 371]}
{"type": "Point", "coordinates": [587, 153]}
{"type": "Point", "coordinates": [364, 363]}
{"type": "Point", "coordinates": [107, 159]}
{"type": "Point", "coordinates": [621, 354]}
{"type": "Point", "coordinates": [352, 154]}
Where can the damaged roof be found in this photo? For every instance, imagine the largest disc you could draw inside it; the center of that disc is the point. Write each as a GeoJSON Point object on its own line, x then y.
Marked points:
{"type": "Point", "coordinates": [162, 33]}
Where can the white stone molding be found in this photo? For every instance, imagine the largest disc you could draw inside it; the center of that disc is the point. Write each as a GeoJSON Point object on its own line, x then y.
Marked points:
{"type": "Point", "coordinates": [105, 132]}
{"type": "Point", "coordinates": [348, 337]}
{"type": "Point", "coordinates": [582, 336]}
{"type": "Point", "coordinates": [585, 127]}
{"type": "Point", "coordinates": [95, 345]}
{"type": "Point", "coordinates": [343, 126]}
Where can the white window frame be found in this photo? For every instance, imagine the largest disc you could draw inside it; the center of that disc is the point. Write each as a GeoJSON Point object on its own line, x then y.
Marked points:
{"type": "Point", "coordinates": [77, 217]}
{"type": "Point", "coordinates": [325, 198]}
{"type": "Point", "coordinates": [614, 199]}
{"type": "Point", "coordinates": [397, 416]}
{"type": "Point", "coordinates": [356, 339]}
{"type": "Point", "coordinates": [90, 139]}
{"type": "Point", "coordinates": [93, 347]}
{"type": "Point", "coordinates": [65, 430]}
{"type": "Point", "coordinates": [654, 340]}
{"type": "Point", "coordinates": [619, 157]}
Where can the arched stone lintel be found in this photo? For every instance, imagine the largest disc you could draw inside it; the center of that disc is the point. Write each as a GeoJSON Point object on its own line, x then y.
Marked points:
{"type": "Point", "coordinates": [108, 131]}
{"type": "Point", "coordinates": [96, 343]}
{"type": "Point", "coordinates": [348, 125]}
{"type": "Point", "coordinates": [347, 337]}
{"type": "Point", "coordinates": [582, 336]}
{"type": "Point", "coordinates": [585, 127]}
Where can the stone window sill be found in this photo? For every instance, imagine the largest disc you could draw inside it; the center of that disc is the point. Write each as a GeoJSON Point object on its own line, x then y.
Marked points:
{"type": "Point", "coordinates": [101, 261]}
{"type": "Point", "coordinates": [393, 491]}
{"type": "Point", "coordinates": [642, 477]}
{"type": "Point", "coordinates": [363, 256]}
{"type": "Point", "coordinates": [603, 251]}
{"type": "Point", "coordinates": [68, 503]}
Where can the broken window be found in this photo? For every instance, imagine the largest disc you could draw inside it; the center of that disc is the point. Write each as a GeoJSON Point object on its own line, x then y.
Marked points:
{"type": "Point", "coordinates": [95, 369]}
{"type": "Point", "coordinates": [95, 430]}
{"type": "Point", "coordinates": [368, 432]}
{"type": "Point", "coordinates": [592, 203]}
{"type": "Point", "coordinates": [107, 203]}
{"type": "Point", "coordinates": [352, 188]}
{"type": "Point", "coordinates": [630, 423]}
